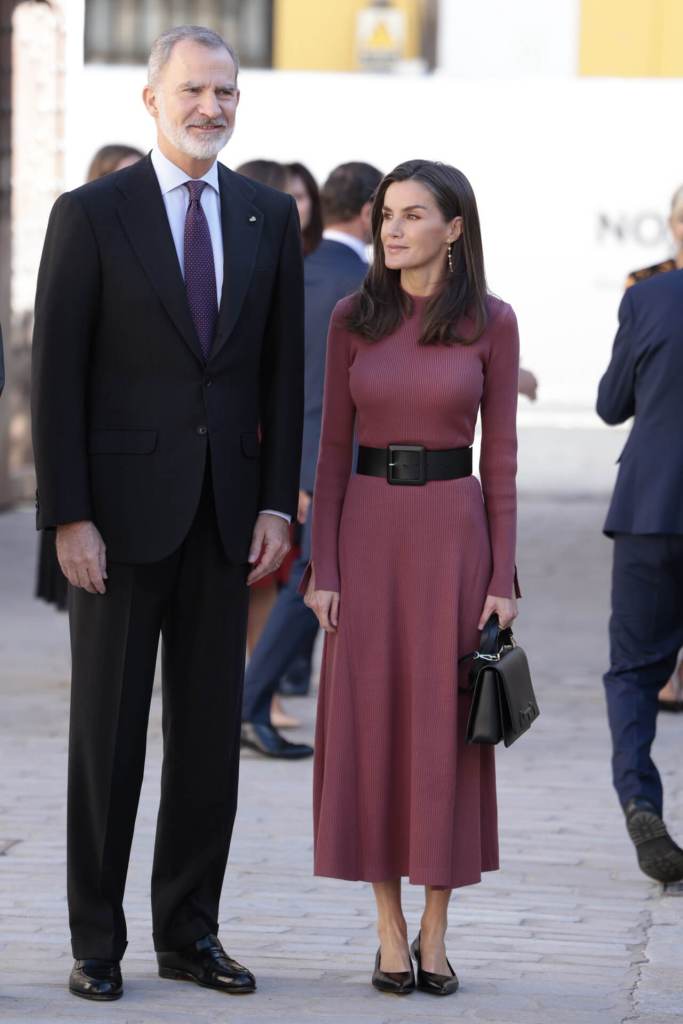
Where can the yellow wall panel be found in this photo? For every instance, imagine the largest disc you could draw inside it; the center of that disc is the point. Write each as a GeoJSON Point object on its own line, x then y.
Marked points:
{"type": "Point", "coordinates": [671, 51]}
{"type": "Point", "coordinates": [631, 38]}
{"type": "Point", "coordinates": [319, 35]}
{"type": "Point", "coordinates": [619, 37]}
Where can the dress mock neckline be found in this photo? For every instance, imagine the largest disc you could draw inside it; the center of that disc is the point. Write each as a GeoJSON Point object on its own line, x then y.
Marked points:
{"type": "Point", "coordinates": [418, 298]}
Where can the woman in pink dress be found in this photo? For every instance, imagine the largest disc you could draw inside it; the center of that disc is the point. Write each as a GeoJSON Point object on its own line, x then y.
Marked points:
{"type": "Point", "coordinates": [411, 554]}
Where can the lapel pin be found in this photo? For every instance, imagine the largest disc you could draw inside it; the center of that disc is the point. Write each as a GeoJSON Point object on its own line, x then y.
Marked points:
{"type": "Point", "coordinates": [252, 219]}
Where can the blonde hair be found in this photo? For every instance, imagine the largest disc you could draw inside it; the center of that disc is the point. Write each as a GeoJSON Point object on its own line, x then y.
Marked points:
{"type": "Point", "coordinates": [677, 199]}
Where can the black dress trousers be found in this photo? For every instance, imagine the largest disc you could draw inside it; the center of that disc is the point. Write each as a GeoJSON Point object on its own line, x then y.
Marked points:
{"type": "Point", "coordinates": [197, 602]}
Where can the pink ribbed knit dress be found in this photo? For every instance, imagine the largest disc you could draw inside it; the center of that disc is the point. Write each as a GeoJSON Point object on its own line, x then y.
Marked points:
{"type": "Point", "coordinates": [397, 790]}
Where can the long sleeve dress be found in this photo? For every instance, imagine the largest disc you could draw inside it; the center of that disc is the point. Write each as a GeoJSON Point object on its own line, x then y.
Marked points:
{"type": "Point", "coordinates": [397, 790]}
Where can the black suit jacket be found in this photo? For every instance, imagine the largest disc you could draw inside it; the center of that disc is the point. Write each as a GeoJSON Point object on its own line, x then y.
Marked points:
{"type": "Point", "coordinates": [645, 380]}
{"type": "Point", "coordinates": [332, 271]}
{"type": "Point", "coordinates": [125, 410]}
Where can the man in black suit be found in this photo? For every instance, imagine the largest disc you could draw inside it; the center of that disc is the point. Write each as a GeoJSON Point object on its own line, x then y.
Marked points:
{"type": "Point", "coordinates": [167, 432]}
{"type": "Point", "coordinates": [335, 269]}
{"type": "Point", "coordinates": [645, 380]}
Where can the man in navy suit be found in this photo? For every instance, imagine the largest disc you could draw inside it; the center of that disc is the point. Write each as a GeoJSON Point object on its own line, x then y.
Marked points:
{"type": "Point", "coordinates": [335, 269]}
{"type": "Point", "coordinates": [645, 380]}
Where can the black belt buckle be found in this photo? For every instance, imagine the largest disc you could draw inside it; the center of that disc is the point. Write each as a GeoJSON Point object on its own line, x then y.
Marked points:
{"type": "Point", "coordinates": [411, 459]}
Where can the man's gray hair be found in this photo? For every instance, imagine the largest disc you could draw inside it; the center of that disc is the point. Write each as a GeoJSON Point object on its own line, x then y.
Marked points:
{"type": "Point", "coordinates": [162, 47]}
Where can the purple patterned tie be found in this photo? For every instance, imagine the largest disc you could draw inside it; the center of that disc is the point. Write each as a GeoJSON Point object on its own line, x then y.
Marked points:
{"type": "Point", "coordinates": [200, 273]}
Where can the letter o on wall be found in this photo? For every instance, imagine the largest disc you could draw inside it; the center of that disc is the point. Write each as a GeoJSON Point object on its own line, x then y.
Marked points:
{"type": "Point", "coordinates": [650, 229]}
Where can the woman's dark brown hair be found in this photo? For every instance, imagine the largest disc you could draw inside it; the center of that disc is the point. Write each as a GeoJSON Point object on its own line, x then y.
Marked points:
{"type": "Point", "coordinates": [381, 303]}
{"type": "Point", "coordinates": [108, 158]}
{"type": "Point", "coordinates": [312, 234]}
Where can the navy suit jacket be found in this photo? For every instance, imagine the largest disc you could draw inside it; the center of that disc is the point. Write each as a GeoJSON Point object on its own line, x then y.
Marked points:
{"type": "Point", "coordinates": [645, 380]}
{"type": "Point", "coordinates": [332, 271]}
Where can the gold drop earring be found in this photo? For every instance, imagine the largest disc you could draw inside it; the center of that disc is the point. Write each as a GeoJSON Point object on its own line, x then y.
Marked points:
{"type": "Point", "coordinates": [450, 257]}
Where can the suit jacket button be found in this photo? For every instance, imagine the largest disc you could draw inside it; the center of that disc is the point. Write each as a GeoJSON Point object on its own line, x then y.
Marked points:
{"type": "Point", "coordinates": [202, 431]}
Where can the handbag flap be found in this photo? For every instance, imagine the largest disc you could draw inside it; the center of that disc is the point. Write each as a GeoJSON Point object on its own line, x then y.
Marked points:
{"type": "Point", "coordinates": [484, 724]}
{"type": "Point", "coordinates": [519, 707]}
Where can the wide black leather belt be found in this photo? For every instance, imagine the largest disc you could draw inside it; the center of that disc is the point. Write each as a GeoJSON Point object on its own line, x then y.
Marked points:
{"type": "Point", "coordinates": [412, 464]}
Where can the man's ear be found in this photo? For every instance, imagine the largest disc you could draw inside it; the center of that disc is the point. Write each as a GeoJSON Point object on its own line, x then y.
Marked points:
{"type": "Point", "coordinates": [366, 215]}
{"type": "Point", "coordinates": [150, 101]}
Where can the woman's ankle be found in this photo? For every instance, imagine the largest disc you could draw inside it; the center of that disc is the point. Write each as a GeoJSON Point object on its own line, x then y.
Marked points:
{"type": "Point", "coordinates": [432, 931]}
{"type": "Point", "coordinates": [395, 931]}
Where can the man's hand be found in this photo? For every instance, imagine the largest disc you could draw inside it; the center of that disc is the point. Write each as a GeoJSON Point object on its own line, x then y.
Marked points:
{"type": "Point", "coordinates": [269, 545]}
{"type": "Point", "coordinates": [527, 384]}
{"type": "Point", "coordinates": [304, 506]}
{"type": "Point", "coordinates": [82, 556]}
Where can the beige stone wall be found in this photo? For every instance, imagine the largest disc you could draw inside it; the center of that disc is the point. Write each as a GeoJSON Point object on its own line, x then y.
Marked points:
{"type": "Point", "coordinates": [37, 178]}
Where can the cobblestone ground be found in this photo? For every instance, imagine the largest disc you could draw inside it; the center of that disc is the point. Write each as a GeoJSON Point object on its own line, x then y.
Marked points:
{"type": "Point", "coordinates": [567, 931]}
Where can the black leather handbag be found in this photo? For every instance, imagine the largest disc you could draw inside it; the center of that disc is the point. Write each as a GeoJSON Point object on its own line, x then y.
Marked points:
{"type": "Point", "coordinates": [503, 701]}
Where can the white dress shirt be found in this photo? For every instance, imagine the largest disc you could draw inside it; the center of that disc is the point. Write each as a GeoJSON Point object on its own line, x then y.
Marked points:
{"type": "Point", "coordinates": [176, 200]}
{"type": "Point", "coordinates": [359, 247]}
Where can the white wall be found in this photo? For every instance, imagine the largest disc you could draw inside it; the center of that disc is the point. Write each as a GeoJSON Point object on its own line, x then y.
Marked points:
{"type": "Point", "coordinates": [508, 38]}
{"type": "Point", "coordinates": [550, 161]}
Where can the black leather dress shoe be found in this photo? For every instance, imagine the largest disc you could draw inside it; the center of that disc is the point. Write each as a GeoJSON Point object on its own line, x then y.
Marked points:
{"type": "Point", "coordinates": [268, 741]}
{"type": "Point", "coordinates": [670, 705]}
{"type": "Point", "coordinates": [436, 984]}
{"type": "Point", "coordinates": [658, 855]}
{"type": "Point", "coordinates": [206, 963]}
{"type": "Point", "coordinates": [396, 983]}
{"type": "Point", "coordinates": [96, 979]}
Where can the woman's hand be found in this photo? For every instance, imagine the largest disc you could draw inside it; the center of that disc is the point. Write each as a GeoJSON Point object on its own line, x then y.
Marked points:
{"type": "Point", "coordinates": [504, 607]}
{"type": "Point", "coordinates": [324, 603]}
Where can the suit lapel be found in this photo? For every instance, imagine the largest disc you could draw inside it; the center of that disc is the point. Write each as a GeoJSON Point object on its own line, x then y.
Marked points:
{"type": "Point", "coordinates": [241, 225]}
{"type": "Point", "coordinates": [144, 219]}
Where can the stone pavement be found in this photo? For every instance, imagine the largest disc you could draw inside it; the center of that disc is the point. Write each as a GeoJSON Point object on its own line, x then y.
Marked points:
{"type": "Point", "coordinates": [567, 931]}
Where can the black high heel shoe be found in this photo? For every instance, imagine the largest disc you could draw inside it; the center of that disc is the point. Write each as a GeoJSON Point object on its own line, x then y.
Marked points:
{"type": "Point", "coordinates": [437, 984]}
{"type": "Point", "coordinates": [398, 983]}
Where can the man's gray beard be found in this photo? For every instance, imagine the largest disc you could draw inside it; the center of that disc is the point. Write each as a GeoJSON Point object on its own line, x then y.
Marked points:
{"type": "Point", "coordinates": [182, 139]}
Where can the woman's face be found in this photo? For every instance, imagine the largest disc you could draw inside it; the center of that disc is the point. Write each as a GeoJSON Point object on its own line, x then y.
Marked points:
{"type": "Point", "coordinates": [414, 232]}
{"type": "Point", "coordinates": [676, 225]}
{"type": "Point", "coordinates": [298, 190]}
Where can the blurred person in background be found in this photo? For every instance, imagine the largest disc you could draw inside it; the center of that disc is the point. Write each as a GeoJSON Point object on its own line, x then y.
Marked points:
{"type": "Point", "coordinates": [263, 593]}
{"type": "Point", "coordinates": [528, 384]}
{"type": "Point", "coordinates": [644, 380]}
{"type": "Point", "coordinates": [676, 261]}
{"type": "Point", "coordinates": [267, 172]}
{"type": "Point", "coordinates": [335, 269]}
{"type": "Point", "coordinates": [304, 188]}
{"type": "Point", "coordinates": [671, 695]}
{"type": "Point", "coordinates": [410, 557]}
{"type": "Point", "coordinates": [51, 583]}
{"type": "Point", "coordinates": [296, 680]}
{"type": "Point", "coordinates": [113, 157]}
{"type": "Point", "coordinates": [170, 495]}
